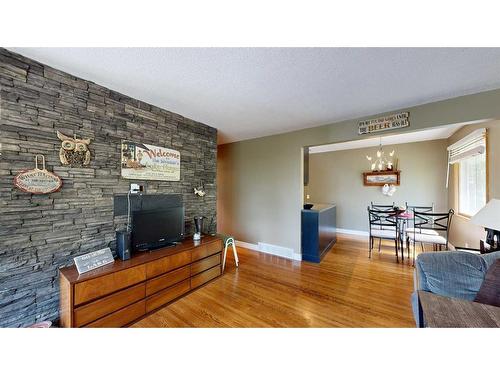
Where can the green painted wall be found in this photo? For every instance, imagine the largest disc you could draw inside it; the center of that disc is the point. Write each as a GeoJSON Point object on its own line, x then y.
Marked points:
{"type": "Point", "coordinates": [336, 177]}
{"type": "Point", "coordinates": [262, 194]}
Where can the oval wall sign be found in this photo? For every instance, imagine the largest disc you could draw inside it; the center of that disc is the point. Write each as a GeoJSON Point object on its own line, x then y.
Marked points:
{"type": "Point", "coordinates": [37, 181]}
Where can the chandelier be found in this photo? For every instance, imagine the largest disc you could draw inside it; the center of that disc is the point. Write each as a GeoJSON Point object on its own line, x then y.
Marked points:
{"type": "Point", "coordinates": [381, 163]}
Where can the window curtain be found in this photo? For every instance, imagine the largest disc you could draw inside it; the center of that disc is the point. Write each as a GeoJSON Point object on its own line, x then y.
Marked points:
{"type": "Point", "coordinates": [471, 145]}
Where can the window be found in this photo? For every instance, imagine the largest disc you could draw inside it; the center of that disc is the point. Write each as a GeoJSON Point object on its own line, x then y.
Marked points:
{"type": "Point", "coordinates": [472, 184]}
{"type": "Point", "coordinates": [469, 154]}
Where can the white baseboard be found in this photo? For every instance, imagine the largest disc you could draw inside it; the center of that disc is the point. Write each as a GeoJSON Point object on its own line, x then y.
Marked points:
{"type": "Point", "coordinates": [247, 245]}
{"type": "Point", "coordinates": [279, 251]}
{"type": "Point", "coordinates": [352, 231]}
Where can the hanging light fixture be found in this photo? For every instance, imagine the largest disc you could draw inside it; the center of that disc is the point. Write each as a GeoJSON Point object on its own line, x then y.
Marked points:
{"type": "Point", "coordinates": [381, 162]}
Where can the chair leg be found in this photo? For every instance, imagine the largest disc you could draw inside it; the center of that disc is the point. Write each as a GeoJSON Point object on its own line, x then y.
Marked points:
{"type": "Point", "coordinates": [235, 255]}
{"type": "Point", "coordinates": [422, 246]}
{"type": "Point", "coordinates": [402, 252]}
{"type": "Point", "coordinates": [414, 255]}
{"type": "Point", "coordinates": [370, 245]}
{"type": "Point", "coordinates": [379, 243]}
{"type": "Point", "coordinates": [224, 257]}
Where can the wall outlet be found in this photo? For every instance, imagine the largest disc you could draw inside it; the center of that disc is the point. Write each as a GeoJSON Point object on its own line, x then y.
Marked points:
{"type": "Point", "coordinates": [136, 189]}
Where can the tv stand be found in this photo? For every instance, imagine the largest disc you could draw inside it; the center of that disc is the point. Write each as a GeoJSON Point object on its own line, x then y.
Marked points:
{"type": "Point", "coordinates": [120, 293]}
{"type": "Point", "coordinates": [153, 248]}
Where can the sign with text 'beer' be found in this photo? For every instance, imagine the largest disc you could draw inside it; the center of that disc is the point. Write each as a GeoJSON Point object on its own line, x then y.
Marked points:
{"type": "Point", "coordinates": [396, 121]}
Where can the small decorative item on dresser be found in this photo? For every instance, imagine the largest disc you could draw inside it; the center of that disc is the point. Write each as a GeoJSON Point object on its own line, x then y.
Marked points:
{"type": "Point", "coordinates": [198, 227]}
{"type": "Point", "coordinates": [37, 181]}
{"type": "Point", "coordinates": [93, 260]}
{"type": "Point", "coordinates": [74, 151]}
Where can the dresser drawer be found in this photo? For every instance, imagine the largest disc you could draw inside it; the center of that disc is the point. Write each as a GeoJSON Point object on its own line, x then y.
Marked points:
{"type": "Point", "coordinates": [168, 263]}
{"type": "Point", "coordinates": [101, 286]}
{"type": "Point", "coordinates": [161, 298]}
{"type": "Point", "coordinates": [205, 264]}
{"type": "Point", "coordinates": [206, 250]}
{"type": "Point", "coordinates": [204, 277]}
{"type": "Point", "coordinates": [104, 306]}
{"type": "Point", "coordinates": [121, 317]}
{"type": "Point", "coordinates": [167, 279]}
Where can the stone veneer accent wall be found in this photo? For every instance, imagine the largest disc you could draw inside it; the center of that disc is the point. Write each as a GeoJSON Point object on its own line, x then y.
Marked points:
{"type": "Point", "coordinates": [41, 233]}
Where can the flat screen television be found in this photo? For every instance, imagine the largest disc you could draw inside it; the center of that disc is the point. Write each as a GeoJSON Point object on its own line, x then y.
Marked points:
{"type": "Point", "coordinates": [152, 229]}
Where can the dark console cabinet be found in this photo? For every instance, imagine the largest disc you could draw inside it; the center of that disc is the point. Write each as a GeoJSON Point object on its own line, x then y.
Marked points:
{"type": "Point", "coordinates": [318, 231]}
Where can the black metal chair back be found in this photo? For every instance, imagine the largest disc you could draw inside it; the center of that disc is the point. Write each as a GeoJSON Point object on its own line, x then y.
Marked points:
{"type": "Point", "coordinates": [420, 208]}
{"type": "Point", "coordinates": [382, 207]}
{"type": "Point", "coordinates": [383, 219]}
{"type": "Point", "coordinates": [440, 222]}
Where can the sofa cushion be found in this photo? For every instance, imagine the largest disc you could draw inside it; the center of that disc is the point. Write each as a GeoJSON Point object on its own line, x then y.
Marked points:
{"type": "Point", "coordinates": [456, 274]}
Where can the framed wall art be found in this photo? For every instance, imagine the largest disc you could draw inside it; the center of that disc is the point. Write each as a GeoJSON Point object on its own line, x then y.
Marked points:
{"type": "Point", "coordinates": [141, 161]}
{"type": "Point", "coordinates": [381, 178]}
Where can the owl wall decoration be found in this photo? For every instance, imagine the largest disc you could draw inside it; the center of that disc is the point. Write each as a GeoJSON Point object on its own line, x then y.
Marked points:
{"type": "Point", "coordinates": [74, 151]}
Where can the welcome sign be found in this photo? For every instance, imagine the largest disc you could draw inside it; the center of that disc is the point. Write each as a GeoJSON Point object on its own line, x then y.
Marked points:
{"type": "Point", "coordinates": [396, 121]}
{"type": "Point", "coordinates": [147, 162]}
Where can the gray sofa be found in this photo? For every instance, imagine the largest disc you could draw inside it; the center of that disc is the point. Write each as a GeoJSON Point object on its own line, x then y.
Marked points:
{"type": "Point", "coordinates": [457, 274]}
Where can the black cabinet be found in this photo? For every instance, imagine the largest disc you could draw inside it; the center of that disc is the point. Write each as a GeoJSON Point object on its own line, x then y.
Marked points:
{"type": "Point", "coordinates": [318, 231]}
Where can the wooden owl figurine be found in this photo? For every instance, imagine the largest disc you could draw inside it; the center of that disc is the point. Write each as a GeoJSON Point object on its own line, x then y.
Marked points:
{"type": "Point", "coordinates": [74, 151]}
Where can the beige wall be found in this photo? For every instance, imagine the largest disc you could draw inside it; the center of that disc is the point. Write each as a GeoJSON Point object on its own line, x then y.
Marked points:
{"type": "Point", "coordinates": [336, 177]}
{"type": "Point", "coordinates": [463, 232]}
{"type": "Point", "coordinates": [263, 194]}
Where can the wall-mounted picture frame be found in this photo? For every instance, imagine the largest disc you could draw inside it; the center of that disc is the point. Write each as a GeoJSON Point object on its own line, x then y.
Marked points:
{"type": "Point", "coordinates": [140, 161]}
{"type": "Point", "coordinates": [381, 178]}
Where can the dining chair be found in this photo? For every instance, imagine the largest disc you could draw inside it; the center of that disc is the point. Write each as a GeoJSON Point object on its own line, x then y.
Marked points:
{"type": "Point", "coordinates": [411, 208]}
{"type": "Point", "coordinates": [383, 225]}
{"type": "Point", "coordinates": [406, 228]}
{"type": "Point", "coordinates": [431, 221]}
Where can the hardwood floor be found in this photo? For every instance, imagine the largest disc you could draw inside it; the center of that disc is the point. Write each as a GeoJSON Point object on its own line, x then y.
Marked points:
{"type": "Point", "coordinates": [345, 290]}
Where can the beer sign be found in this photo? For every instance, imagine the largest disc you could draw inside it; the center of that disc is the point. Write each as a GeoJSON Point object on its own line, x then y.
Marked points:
{"type": "Point", "coordinates": [396, 121]}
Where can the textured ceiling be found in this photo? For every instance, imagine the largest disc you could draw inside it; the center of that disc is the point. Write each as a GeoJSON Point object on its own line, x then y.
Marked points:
{"type": "Point", "coordinates": [252, 92]}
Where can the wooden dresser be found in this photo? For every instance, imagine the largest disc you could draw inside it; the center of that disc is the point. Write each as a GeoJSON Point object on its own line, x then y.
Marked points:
{"type": "Point", "coordinates": [120, 293]}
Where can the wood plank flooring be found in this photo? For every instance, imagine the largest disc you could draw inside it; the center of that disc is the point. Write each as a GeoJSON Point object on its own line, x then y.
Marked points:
{"type": "Point", "coordinates": [345, 290]}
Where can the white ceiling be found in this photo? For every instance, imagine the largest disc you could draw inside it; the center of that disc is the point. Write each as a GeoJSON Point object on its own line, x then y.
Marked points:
{"type": "Point", "coordinates": [441, 132]}
{"type": "Point", "coordinates": [252, 92]}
